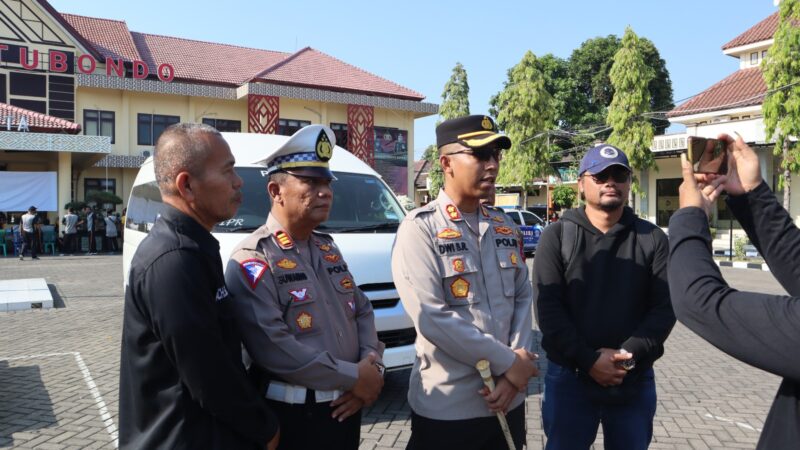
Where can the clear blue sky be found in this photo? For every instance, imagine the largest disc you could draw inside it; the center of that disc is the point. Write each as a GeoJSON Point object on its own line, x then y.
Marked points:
{"type": "Point", "coordinates": [417, 43]}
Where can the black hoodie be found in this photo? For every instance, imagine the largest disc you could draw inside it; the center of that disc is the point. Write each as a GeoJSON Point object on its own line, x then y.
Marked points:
{"type": "Point", "coordinates": [613, 294]}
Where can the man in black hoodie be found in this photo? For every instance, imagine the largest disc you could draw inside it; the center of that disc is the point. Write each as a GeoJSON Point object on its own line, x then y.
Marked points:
{"type": "Point", "coordinates": [604, 312]}
{"type": "Point", "coordinates": [759, 329]}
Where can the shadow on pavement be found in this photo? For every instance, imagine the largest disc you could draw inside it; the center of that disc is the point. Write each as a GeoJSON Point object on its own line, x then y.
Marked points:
{"type": "Point", "coordinates": [25, 404]}
{"type": "Point", "coordinates": [58, 301]}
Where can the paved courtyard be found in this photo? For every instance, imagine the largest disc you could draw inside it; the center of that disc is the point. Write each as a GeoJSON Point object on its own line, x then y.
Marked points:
{"type": "Point", "coordinates": [59, 372]}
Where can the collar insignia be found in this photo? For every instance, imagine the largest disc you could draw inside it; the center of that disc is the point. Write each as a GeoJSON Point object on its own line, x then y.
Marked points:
{"type": "Point", "coordinates": [284, 240]}
{"type": "Point", "coordinates": [253, 270]}
{"type": "Point", "coordinates": [286, 263]}
{"type": "Point", "coordinates": [453, 212]}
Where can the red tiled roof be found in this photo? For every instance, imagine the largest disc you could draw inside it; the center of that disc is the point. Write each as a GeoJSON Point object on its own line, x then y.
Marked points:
{"type": "Point", "coordinates": [761, 31]}
{"type": "Point", "coordinates": [742, 88]}
{"type": "Point", "coordinates": [208, 62]}
{"type": "Point", "coordinates": [36, 121]}
{"type": "Point", "coordinates": [109, 37]}
{"type": "Point", "coordinates": [205, 62]}
{"type": "Point", "coordinates": [310, 67]}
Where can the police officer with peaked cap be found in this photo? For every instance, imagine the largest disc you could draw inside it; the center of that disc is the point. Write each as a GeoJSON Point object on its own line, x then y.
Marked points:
{"type": "Point", "coordinates": [306, 325]}
{"type": "Point", "coordinates": [462, 278]}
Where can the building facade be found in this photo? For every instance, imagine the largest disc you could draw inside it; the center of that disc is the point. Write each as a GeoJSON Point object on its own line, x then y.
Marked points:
{"type": "Point", "coordinates": [113, 91]}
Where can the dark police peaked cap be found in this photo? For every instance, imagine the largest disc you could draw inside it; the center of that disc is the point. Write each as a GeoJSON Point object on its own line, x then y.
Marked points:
{"type": "Point", "coordinates": [471, 131]}
{"type": "Point", "coordinates": [306, 153]}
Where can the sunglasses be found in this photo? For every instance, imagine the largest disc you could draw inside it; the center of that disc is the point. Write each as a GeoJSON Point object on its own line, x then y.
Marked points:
{"type": "Point", "coordinates": [482, 154]}
{"type": "Point", "coordinates": [619, 175]}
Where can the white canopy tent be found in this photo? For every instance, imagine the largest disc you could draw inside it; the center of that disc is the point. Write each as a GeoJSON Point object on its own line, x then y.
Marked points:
{"type": "Point", "coordinates": [21, 190]}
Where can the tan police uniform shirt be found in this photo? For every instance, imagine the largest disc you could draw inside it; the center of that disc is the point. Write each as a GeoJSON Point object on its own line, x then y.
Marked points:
{"type": "Point", "coordinates": [307, 325]}
{"type": "Point", "coordinates": [470, 299]}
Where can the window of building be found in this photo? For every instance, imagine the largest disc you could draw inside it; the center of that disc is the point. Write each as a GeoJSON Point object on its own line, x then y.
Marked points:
{"type": "Point", "coordinates": [234, 126]}
{"type": "Point", "coordinates": [763, 54]}
{"type": "Point", "coordinates": [340, 131]}
{"type": "Point", "coordinates": [288, 127]}
{"type": "Point", "coordinates": [150, 127]}
{"type": "Point", "coordinates": [753, 58]}
{"type": "Point", "coordinates": [98, 123]}
{"type": "Point", "coordinates": [99, 184]}
{"type": "Point", "coordinates": [666, 199]}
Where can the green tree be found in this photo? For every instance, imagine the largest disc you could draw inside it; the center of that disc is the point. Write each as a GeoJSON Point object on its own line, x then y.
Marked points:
{"type": "Point", "coordinates": [630, 77]}
{"type": "Point", "coordinates": [525, 110]}
{"type": "Point", "coordinates": [455, 103]}
{"type": "Point", "coordinates": [564, 196]}
{"type": "Point", "coordinates": [782, 105]}
{"type": "Point", "coordinates": [590, 66]}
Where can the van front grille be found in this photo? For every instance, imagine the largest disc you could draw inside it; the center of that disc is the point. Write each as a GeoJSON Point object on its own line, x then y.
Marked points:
{"type": "Point", "coordinates": [398, 338]}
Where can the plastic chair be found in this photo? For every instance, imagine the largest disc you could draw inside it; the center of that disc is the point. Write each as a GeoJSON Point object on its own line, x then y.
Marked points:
{"type": "Point", "coordinates": [49, 238]}
{"type": "Point", "coordinates": [3, 242]}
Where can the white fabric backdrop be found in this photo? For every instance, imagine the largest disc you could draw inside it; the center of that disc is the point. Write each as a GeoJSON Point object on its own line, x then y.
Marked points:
{"type": "Point", "coordinates": [21, 190]}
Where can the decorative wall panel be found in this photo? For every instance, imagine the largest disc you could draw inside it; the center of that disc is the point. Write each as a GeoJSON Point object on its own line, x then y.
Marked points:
{"type": "Point", "coordinates": [262, 114]}
{"type": "Point", "coordinates": [361, 132]}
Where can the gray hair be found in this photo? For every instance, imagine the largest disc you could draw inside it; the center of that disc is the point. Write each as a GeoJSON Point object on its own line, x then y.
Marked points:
{"type": "Point", "coordinates": [181, 148]}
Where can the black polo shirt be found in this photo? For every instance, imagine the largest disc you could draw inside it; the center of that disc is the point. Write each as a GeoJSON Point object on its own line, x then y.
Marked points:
{"type": "Point", "coordinates": [182, 382]}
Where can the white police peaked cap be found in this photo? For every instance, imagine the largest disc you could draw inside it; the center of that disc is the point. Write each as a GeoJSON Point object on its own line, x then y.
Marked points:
{"type": "Point", "coordinates": [306, 153]}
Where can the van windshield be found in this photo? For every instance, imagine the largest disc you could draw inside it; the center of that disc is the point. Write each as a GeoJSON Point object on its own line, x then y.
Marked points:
{"type": "Point", "coordinates": [361, 203]}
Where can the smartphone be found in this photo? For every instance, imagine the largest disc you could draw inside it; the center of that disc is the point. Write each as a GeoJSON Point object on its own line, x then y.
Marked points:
{"type": "Point", "coordinates": [708, 155]}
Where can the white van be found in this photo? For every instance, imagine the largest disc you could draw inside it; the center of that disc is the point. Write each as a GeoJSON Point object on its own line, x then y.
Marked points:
{"type": "Point", "coordinates": [363, 221]}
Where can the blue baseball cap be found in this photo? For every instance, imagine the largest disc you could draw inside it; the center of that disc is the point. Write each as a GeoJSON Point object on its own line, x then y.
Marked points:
{"type": "Point", "coordinates": [600, 157]}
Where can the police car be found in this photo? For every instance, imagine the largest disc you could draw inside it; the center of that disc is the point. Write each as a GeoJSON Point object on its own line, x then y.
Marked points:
{"type": "Point", "coordinates": [363, 221]}
{"type": "Point", "coordinates": [530, 225]}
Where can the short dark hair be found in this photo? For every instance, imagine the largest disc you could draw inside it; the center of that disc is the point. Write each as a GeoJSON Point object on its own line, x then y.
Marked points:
{"type": "Point", "coordinates": [180, 148]}
{"type": "Point", "coordinates": [279, 177]}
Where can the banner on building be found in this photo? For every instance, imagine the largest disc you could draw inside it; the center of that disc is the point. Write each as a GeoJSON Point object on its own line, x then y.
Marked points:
{"type": "Point", "coordinates": [21, 190]}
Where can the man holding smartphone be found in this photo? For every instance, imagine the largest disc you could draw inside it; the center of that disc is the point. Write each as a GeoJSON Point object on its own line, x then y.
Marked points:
{"type": "Point", "coordinates": [604, 310]}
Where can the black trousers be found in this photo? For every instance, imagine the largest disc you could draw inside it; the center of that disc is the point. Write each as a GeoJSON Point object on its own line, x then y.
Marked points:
{"type": "Point", "coordinates": [92, 243]}
{"type": "Point", "coordinates": [70, 242]}
{"type": "Point", "coordinates": [483, 433]}
{"type": "Point", "coordinates": [311, 427]}
{"type": "Point", "coordinates": [28, 241]}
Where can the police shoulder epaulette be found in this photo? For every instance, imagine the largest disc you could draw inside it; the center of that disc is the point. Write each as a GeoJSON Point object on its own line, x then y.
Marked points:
{"type": "Point", "coordinates": [426, 209]}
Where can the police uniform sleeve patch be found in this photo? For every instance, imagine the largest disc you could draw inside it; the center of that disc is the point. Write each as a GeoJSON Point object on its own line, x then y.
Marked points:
{"type": "Point", "coordinates": [324, 247]}
{"type": "Point", "coordinates": [513, 258]}
{"type": "Point", "coordinates": [498, 219]}
{"type": "Point", "coordinates": [504, 230]}
{"type": "Point", "coordinates": [253, 269]}
{"type": "Point", "coordinates": [458, 265]}
{"type": "Point", "coordinates": [346, 283]}
{"type": "Point", "coordinates": [331, 257]}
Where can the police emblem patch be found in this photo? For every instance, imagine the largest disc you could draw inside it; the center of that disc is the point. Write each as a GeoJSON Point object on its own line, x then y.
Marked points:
{"type": "Point", "coordinates": [284, 240]}
{"type": "Point", "coordinates": [346, 283]}
{"type": "Point", "coordinates": [458, 265]}
{"type": "Point", "coordinates": [503, 230]}
{"type": "Point", "coordinates": [323, 147]}
{"type": "Point", "coordinates": [459, 288]}
{"type": "Point", "coordinates": [449, 233]}
{"type": "Point", "coordinates": [514, 258]}
{"type": "Point", "coordinates": [253, 270]}
{"type": "Point", "coordinates": [304, 321]}
{"type": "Point", "coordinates": [608, 152]}
{"type": "Point", "coordinates": [299, 295]}
{"type": "Point", "coordinates": [331, 258]}
{"type": "Point", "coordinates": [286, 263]}
{"type": "Point", "coordinates": [323, 247]}
{"type": "Point", "coordinates": [452, 212]}
{"type": "Point", "coordinates": [486, 123]}
{"type": "Point", "coordinates": [497, 219]}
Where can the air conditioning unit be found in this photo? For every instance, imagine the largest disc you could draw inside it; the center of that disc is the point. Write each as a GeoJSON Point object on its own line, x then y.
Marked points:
{"type": "Point", "coordinates": [147, 153]}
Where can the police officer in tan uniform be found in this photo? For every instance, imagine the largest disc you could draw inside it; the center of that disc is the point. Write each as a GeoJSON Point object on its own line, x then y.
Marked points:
{"type": "Point", "coordinates": [461, 277]}
{"type": "Point", "coordinates": [304, 322]}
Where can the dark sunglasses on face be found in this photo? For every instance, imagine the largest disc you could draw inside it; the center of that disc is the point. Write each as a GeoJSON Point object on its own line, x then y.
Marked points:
{"type": "Point", "coordinates": [482, 154]}
{"type": "Point", "coordinates": [618, 174]}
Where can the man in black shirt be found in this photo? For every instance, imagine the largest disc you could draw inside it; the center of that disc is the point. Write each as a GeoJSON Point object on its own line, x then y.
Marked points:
{"type": "Point", "coordinates": [759, 329]}
{"type": "Point", "coordinates": [604, 312]}
{"type": "Point", "coordinates": [182, 382]}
